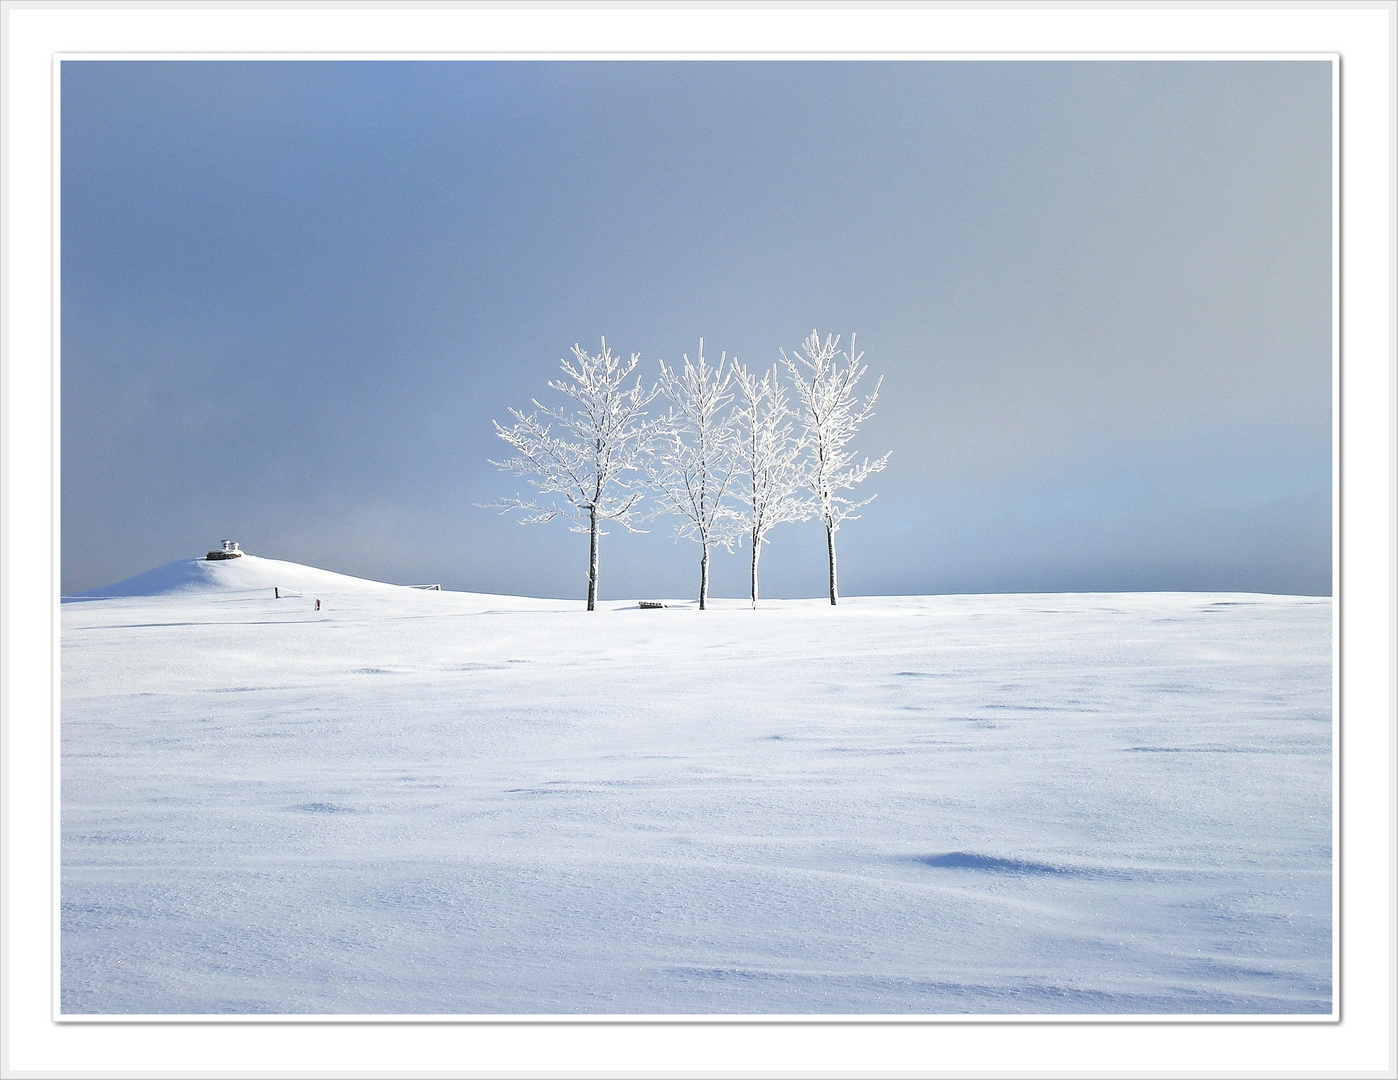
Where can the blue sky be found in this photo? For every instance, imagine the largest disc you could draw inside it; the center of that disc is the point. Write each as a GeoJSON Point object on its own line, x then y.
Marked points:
{"type": "Point", "coordinates": [295, 294]}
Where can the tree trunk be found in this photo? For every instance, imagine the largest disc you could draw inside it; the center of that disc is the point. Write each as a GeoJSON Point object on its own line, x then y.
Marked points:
{"type": "Point", "coordinates": [592, 566]}
{"type": "Point", "coordinates": [756, 554]}
{"type": "Point", "coordinates": [830, 544]}
{"type": "Point", "coordinates": [704, 579]}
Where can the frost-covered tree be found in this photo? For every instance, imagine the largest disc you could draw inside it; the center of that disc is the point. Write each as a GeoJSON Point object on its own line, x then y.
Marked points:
{"type": "Point", "coordinates": [692, 464]}
{"type": "Point", "coordinates": [773, 487]}
{"type": "Point", "coordinates": [831, 412]}
{"type": "Point", "coordinates": [583, 474]}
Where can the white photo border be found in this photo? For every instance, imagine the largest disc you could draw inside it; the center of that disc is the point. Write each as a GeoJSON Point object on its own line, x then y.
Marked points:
{"type": "Point", "coordinates": [1361, 35]}
{"type": "Point", "coordinates": [1333, 1015]}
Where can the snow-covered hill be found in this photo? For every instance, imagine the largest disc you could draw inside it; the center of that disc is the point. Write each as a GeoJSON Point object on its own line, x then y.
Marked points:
{"type": "Point", "coordinates": [250, 573]}
{"type": "Point", "coordinates": [451, 803]}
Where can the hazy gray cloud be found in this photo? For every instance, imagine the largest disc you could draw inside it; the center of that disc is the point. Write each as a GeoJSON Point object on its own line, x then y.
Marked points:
{"type": "Point", "coordinates": [295, 295]}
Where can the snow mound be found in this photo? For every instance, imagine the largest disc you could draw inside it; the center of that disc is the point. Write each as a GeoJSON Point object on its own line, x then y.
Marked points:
{"type": "Point", "coordinates": [247, 574]}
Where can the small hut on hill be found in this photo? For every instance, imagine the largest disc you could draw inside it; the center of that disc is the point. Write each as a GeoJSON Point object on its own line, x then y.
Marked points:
{"type": "Point", "coordinates": [230, 551]}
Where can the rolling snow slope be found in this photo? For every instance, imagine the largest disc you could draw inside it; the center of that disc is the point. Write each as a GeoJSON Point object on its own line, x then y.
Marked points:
{"type": "Point", "coordinates": [248, 573]}
{"type": "Point", "coordinates": [438, 803]}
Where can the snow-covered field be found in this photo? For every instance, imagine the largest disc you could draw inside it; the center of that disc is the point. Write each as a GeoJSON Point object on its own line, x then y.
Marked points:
{"type": "Point", "coordinates": [435, 802]}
